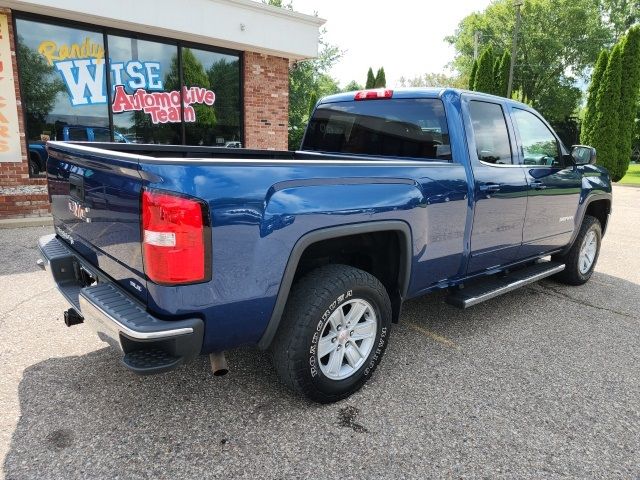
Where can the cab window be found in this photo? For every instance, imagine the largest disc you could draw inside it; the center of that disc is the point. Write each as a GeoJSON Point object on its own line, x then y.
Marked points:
{"type": "Point", "coordinates": [403, 127]}
{"type": "Point", "coordinates": [539, 145]}
{"type": "Point", "coordinates": [490, 133]}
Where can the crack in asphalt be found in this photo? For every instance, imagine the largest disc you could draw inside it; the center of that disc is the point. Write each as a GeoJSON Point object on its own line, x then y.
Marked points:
{"type": "Point", "coordinates": [22, 302]}
{"type": "Point", "coordinates": [560, 294]}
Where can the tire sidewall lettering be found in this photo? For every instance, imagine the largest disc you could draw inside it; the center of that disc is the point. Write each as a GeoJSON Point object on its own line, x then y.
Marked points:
{"type": "Point", "coordinates": [374, 356]}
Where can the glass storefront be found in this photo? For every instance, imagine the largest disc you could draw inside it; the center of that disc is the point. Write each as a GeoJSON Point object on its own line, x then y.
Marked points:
{"type": "Point", "coordinates": [99, 85]}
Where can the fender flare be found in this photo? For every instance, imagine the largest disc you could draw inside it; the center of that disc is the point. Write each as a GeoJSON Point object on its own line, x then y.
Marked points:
{"type": "Point", "coordinates": [330, 233]}
{"type": "Point", "coordinates": [593, 197]}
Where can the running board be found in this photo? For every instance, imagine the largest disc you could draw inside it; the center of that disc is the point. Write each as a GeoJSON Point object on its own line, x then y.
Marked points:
{"type": "Point", "coordinates": [492, 287]}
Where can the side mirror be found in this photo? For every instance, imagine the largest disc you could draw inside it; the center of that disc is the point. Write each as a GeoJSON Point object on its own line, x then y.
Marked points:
{"type": "Point", "coordinates": [583, 155]}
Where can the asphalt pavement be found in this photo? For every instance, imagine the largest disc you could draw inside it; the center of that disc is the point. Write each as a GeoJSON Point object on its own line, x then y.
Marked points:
{"type": "Point", "coordinates": [543, 382]}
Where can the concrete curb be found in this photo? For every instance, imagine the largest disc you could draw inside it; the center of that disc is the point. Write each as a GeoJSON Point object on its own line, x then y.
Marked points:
{"type": "Point", "coordinates": [26, 222]}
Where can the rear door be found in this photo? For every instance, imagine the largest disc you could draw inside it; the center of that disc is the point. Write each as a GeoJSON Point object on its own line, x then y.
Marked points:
{"type": "Point", "coordinates": [500, 185]}
{"type": "Point", "coordinates": [95, 203]}
{"type": "Point", "coordinates": [554, 187]}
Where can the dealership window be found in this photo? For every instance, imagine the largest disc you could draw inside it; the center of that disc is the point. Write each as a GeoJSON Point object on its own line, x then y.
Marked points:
{"type": "Point", "coordinates": [158, 91]}
{"type": "Point", "coordinates": [219, 73]}
{"type": "Point", "coordinates": [140, 67]}
{"type": "Point", "coordinates": [51, 93]}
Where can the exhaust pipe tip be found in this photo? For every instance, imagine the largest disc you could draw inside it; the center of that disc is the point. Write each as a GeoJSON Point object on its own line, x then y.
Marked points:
{"type": "Point", "coordinates": [219, 365]}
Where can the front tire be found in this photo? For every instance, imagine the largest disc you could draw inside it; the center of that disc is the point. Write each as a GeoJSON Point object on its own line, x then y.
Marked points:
{"type": "Point", "coordinates": [333, 333]}
{"type": "Point", "coordinates": [581, 258]}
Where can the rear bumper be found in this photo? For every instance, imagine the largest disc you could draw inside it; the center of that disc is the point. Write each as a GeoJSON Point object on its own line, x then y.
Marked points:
{"type": "Point", "coordinates": [150, 345]}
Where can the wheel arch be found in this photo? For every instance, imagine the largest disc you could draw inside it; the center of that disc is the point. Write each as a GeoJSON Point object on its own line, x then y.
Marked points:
{"type": "Point", "coordinates": [600, 208]}
{"type": "Point", "coordinates": [316, 237]}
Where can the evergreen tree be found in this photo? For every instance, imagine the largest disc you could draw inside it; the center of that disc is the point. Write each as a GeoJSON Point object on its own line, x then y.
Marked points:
{"type": "Point", "coordinates": [485, 81]}
{"type": "Point", "coordinates": [381, 80]}
{"type": "Point", "coordinates": [371, 80]}
{"type": "Point", "coordinates": [502, 81]}
{"type": "Point", "coordinates": [590, 111]}
{"type": "Point", "coordinates": [629, 92]}
{"type": "Point", "coordinates": [605, 136]}
{"type": "Point", "coordinates": [496, 75]}
{"type": "Point", "coordinates": [472, 78]}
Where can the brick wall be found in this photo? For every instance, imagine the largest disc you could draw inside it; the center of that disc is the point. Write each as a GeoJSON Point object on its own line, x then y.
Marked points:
{"type": "Point", "coordinates": [266, 97]}
{"type": "Point", "coordinates": [20, 196]}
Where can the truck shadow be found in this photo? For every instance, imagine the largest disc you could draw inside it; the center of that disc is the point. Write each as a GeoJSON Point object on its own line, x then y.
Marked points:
{"type": "Point", "coordinates": [86, 416]}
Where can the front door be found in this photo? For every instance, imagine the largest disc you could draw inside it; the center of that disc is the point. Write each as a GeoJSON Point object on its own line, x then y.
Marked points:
{"type": "Point", "coordinates": [500, 188]}
{"type": "Point", "coordinates": [554, 186]}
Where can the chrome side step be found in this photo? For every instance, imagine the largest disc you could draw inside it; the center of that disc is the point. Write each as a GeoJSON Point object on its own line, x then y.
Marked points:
{"type": "Point", "coordinates": [492, 287]}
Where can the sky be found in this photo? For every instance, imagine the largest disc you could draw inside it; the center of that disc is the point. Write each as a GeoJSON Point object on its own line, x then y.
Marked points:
{"type": "Point", "coordinates": [404, 36]}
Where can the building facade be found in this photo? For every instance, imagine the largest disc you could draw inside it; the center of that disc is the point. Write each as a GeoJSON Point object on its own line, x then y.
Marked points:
{"type": "Point", "coordinates": [198, 72]}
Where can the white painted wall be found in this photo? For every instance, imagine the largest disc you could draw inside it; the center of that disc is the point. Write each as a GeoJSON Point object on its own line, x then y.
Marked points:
{"type": "Point", "coordinates": [237, 24]}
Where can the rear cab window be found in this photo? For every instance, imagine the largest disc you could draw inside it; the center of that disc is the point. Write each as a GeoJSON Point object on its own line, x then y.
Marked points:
{"type": "Point", "coordinates": [404, 128]}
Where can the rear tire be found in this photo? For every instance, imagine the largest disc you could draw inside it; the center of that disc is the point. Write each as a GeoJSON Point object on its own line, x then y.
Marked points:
{"type": "Point", "coordinates": [581, 258]}
{"type": "Point", "coordinates": [333, 333]}
{"type": "Point", "coordinates": [34, 168]}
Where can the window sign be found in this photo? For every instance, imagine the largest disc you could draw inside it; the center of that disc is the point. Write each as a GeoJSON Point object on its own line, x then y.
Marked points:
{"type": "Point", "coordinates": [70, 78]}
{"type": "Point", "coordinates": [9, 131]}
{"type": "Point", "coordinates": [62, 80]}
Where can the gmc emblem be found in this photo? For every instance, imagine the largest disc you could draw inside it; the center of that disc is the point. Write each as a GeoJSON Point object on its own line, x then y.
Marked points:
{"type": "Point", "coordinates": [79, 211]}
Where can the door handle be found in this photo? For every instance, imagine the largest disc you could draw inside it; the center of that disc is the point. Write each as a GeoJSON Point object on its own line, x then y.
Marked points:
{"type": "Point", "coordinates": [490, 187]}
{"type": "Point", "coordinates": [537, 185]}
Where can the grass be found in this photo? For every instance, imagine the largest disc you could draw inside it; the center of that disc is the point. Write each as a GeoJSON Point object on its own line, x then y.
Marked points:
{"type": "Point", "coordinates": [633, 175]}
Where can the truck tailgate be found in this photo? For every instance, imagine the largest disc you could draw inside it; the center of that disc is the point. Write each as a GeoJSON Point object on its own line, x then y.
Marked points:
{"type": "Point", "coordinates": [95, 203]}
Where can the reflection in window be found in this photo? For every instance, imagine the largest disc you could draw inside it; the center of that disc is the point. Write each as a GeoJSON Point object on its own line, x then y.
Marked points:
{"type": "Point", "coordinates": [539, 146]}
{"type": "Point", "coordinates": [218, 124]}
{"type": "Point", "coordinates": [414, 128]}
{"type": "Point", "coordinates": [145, 98]}
{"type": "Point", "coordinates": [490, 132]}
{"type": "Point", "coordinates": [62, 79]}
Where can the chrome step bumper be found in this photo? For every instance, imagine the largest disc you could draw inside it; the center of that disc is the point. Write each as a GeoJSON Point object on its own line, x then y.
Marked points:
{"type": "Point", "coordinates": [117, 317]}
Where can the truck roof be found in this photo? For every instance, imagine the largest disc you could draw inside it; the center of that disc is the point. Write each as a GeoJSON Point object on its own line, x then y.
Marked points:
{"type": "Point", "coordinates": [420, 92]}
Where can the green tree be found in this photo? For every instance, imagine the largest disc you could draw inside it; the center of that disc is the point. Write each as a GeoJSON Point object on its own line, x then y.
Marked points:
{"type": "Point", "coordinates": [472, 76]}
{"type": "Point", "coordinates": [485, 81]}
{"type": "Point", "coordinates": [433, 80]}
{"type": "Point", "coordinates": [592, 96]}
{"type": "Point", "coordinates": [279, 3]}
{"type": "Point", "coordinates": [194, 75]}
{"type": "Point", "coordinates": [307, 78]}
{"type": "Point", "coordinates": [40, 87]}
{"type": "Point", "coordinates": [223, 77]}
{"type": "Point", "coordinates": [605, 131]}
{"type": "Point", "coordinates": [502, 78]}
{"type": "Point", "coordinates": [629, 91]}
{"type": "Point", "coordinates": [381, 80]}
{"type": "Point", "coordinates": [496, 76]}
{"type": "Point", "coordinates": [312, 102]}
{"type": "Point", "coordinates": [371, 79]}
{"type": "Point", "coordinates": [620, 15]}
{"type": "Point", "coordinates": [558, 41]}
{"type": "Point", "coordinates": [352, 86]}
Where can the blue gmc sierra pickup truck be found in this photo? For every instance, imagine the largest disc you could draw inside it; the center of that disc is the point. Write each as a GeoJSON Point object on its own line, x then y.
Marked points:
{"type": "Point", "coordinates": [173, 251]}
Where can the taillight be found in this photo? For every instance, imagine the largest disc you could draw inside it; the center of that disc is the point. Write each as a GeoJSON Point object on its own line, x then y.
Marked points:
{"type": "Point", "coordinates": [175, 245]}
{"type": "Point", "coordinates": [377, 94]}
